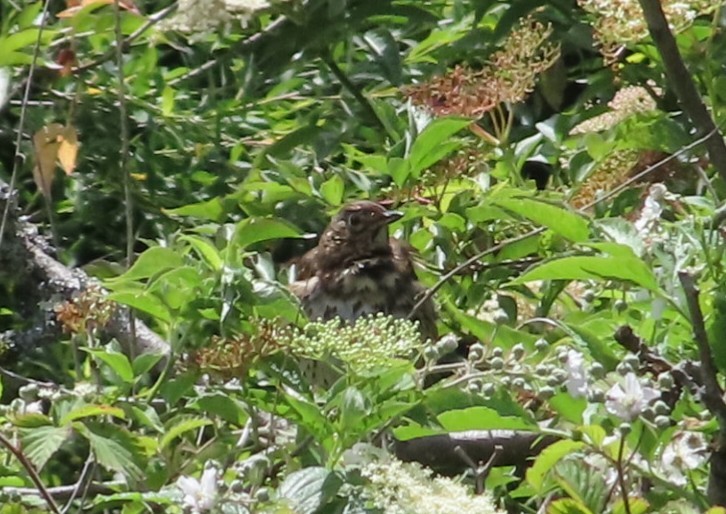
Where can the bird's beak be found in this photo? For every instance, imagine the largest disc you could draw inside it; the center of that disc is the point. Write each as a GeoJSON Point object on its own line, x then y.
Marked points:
{"type": "Point", "coordinates": [391, 216]}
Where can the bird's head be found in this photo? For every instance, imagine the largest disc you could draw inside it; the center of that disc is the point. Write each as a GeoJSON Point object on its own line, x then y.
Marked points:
{"type": "Point", "coordinates": [358, 230]}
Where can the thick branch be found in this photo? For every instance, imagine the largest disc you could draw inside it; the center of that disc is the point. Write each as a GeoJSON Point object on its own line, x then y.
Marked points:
{"type": "Point", "coordinates": [683, 85]}
{"type": "Point", "coordinates": [25, 257]}
{"type": "Point", "coordinates": [442, 452]}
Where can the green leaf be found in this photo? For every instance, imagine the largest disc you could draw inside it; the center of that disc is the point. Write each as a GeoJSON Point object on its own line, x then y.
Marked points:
{"type": "Point", "coordinates": [309, 489]}
{"type": "Point", "coordinates": [39, 444]}
{"type": "Point", "coordinates": [180, 427]}
{"type": "Point", "coordinates": [211, 210]}
{"type": "Point", "coordinates": [546, 460]}
{"type": "Point", "coordinates": [399, 170]}
{"type": "Point", "coordinates": [562, 221]}
{"type": "Point", "coordinates": [87, 411]}
{"type": "Point", "coordinates": [254, 230]}
{"type": "Point", "coordinates": [118, 362]}
{"type": "Point", "coordinates": [144, 302]}
{"type": "Point", "coordinates": [571, 409]}
{"type": "Point", "coordinates": [434, 143]}
{"type": "Point", "coordinates": [567, 506]}
{"type": "Point", "coordinates": [480, 418]}
{"type": "Point", "coordinates": [167, 101]}
{"type": "Point", "coordinates": [145, 362]}
{"type": "Point", "coordinates": [223, 406]}
{"type": "Point", "coordinates": [332, 190]}
{"type": "Point", "coordinates": [154, 260]}
{"type": "Point", "coordinates": [110, 453]}
{"type": "Point", "coordinates": [353, 409]}
{"type": "Point", "coordinates": [593, 268]}
{"type": "Point", "coordinates": [206, 250]}
{"type": "Point", "coordinates": [635, 506]}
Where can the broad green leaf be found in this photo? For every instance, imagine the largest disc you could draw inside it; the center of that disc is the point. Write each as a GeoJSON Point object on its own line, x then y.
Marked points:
{"type": "Point", "coordinates": [87, 411]}
{"type": "Point", "coordinates": [413, 431]}
{"type": "Point", "coordinates": [223, 406]}
{"type": "Point", "coordinates": [593, 268]}
{"type": "Point", "coordinates": [118, 362]}
{"type": "Point", "coordinates": [40, 443]}
{"type": "Point", "coordinates": [211, 210]}
{"type": "Point", "coordinates": [180, 427]}
{"type": "Point", "coordinates": [546, 460]}
{"type": "Point", "coordinates": [154, 260]}
{"type": "Point", "coordinates": [26, 39]}
{"type": "Point", "coordinates": [254, 230]}
{"type": "Point", "coordinates": [399, 170]}
{"type": "Point", "coordinates": [434, 143]}
{"type": "Point", "coordinates": [562, 221]}
{"type": "Point", "coordinates": [144, 362]}
{"type": "Point", "coordinates": [110, 453]}
{"type": "Point", "coordinates": [144, 302]}
{"type": "Point", "coordinates": [206, 251]}
{"type": "Point", "coordinates": [480, 418]}
{"type": "Point", "coordinates": [438, 38]}
{"type": "Point", "coordinates": [332, 190]}
{"type": "Point", "coordinates": [571, 409]}
{"type": "Point", "coordinates": [309, 489]}
{"type": "Point", "coordinates": [9, 59]}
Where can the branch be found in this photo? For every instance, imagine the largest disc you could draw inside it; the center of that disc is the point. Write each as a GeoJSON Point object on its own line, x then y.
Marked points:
{"type": "Point", "coordinates": [49, 283]}
{"type": "Point", "coordinates": [443, 452]}
{"type": "Point", "coordinates": [712, 392]}
{"type": "Point", "coordinates": [683, 84]}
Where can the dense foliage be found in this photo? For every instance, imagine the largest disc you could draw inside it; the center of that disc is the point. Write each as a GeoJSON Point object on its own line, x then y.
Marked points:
{"type": "Point", "coordinates": [558, 199]}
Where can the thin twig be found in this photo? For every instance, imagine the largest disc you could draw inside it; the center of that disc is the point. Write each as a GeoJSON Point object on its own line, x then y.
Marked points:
{"type": "Point", "coordinates": [356, 92]}
{"type": "Point", "coordinates": [85, 474]}
{"type": "Point", "coordinates": [125, 43]}
{"type": "Point", "coordinates": [124, 161]}
{"type": "Point", "coordinates": [21, 124]}
{"type": "Point", "coordinates": [32, 473]}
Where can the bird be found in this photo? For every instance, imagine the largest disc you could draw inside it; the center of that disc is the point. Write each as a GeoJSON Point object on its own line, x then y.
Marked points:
{"type": "Point", "coordinates": [357, 269]}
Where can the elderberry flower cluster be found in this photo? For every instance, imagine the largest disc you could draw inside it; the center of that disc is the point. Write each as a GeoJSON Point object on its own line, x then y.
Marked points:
{"type": "Point", "coordinates": [370, 342]}
{"type": "Point", "coordinates": [201, 17]}
{"type": "Point", "coordinates": [398, 487]}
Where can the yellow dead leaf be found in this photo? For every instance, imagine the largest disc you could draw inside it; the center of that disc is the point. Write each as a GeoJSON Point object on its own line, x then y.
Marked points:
{"type": "Point", "coordinates": [51, 143]}
{"type": "Point", "coordinates": [68, 150]}
{"type": "Point", "coordinates": [46, 143]}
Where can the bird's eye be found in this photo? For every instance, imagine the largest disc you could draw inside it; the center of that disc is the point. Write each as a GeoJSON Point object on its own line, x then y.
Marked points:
{"type": "Point", "coordinates": [355, 219]}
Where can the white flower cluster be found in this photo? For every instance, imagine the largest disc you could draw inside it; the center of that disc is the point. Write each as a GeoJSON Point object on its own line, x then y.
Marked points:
{"type": "Point", "coordinates": [407, 488]}
{"type": "Point", "coordinates": [200, 17]}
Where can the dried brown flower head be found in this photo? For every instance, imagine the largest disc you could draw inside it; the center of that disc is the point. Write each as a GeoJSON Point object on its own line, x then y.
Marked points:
{"type": "Point", "coordinates": [86, 313]}
{"type": "Point", "coordinates": [233, 356]}
{"type": "Point", "coordinates": [508, 76]}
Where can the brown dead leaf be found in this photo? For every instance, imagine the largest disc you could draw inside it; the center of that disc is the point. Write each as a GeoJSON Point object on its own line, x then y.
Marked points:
{"type": "Point", "coordinates": [51, 143]}
{"type": "Point", "coordinates": [66, 59]}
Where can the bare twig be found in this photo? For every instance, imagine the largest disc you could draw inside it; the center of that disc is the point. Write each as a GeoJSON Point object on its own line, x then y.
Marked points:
{"type": "Point", "coordinates": [683, 85]}
{"type": "Point", "coordinates": [124, 159]}
{"type": "Point", "coordinates": [34, 477]}
{"type": "Point", "coordinates": [125, 43]}
{"type": "Point", "coordinates": [86, 473]}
